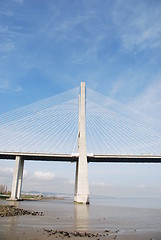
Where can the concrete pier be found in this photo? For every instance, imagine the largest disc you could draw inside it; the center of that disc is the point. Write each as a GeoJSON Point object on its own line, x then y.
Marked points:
{"type": "Point", "coordinates": [81, 179]}
{"type": "Point", "coordinates": [17, 179]}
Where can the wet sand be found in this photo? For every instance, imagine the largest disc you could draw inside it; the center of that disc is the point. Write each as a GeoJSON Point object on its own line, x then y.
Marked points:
{"type": "Point", "coordinates": [41, 234]}
{"type": "Point", "coordinates": [66, 220]}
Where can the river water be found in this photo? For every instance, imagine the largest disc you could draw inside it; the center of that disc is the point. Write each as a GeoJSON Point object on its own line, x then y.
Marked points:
{"type": "Point", "coordinates": [102, 214]}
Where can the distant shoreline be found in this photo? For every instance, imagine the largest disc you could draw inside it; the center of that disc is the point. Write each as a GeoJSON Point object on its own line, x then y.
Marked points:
{"type": "Point", "coordinates": [31, 197]}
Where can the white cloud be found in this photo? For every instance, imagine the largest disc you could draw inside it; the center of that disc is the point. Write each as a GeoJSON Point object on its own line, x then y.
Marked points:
{"type": "Point", "coordinates": [44, 175]}
{"type": "Point", "coordinates": [70, 182]}
{"type": "Point", "coordinates": [25, 173]}
{"type": "Point", "coordinates": [142, 186]}
{"type": "Point", "coordinates": [100, 184]}
{"type": "Point", "coordinates": [6, 171]}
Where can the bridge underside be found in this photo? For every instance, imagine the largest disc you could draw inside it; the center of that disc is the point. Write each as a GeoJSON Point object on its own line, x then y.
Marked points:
{"type": "Point", "coordinates": [90, 158]}
{"type": "Point", "coordinates": [124, 159]}
{"type": "Point", "coordinates": [40, 157]}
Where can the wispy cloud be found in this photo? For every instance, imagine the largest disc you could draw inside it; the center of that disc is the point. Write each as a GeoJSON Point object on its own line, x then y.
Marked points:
{"type": "Point", "coordinates": [142, 186]}
{"type": "Point", "coordinates": [44, 175]}
{"type": "Point", "coordinates": [7, 46]}
{"type": "Point", "coordinates": [8, 13]}
{"type": "Point", "coordinates": [6, 171]}
{"type": "Point", "coordinates": [4, 85]}
{"type": "Point", "coordinates": [70, 182]}
{"type": "Point", "coordinates": [19, 1]}
{"type": "Point", "coordinates": [127, 84]}
{"type": "Point", "coordinates": [100, 184]}
{"type": "Point", "coordinates": [138, 24]}
{"type": "Point", "coordinates": [149, 101]}
{"type": "Point", "coordinates": [18, 89]}
{"type": "Point", "coordinates": [72, 23]}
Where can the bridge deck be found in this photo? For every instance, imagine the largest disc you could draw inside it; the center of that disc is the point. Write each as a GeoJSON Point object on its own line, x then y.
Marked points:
{"type": "Point", "coordinates": [39, 156]}
{"type": "Point", "coordinates": [90, 157]}
{"type": "Point", "coordinates": [125, 158]}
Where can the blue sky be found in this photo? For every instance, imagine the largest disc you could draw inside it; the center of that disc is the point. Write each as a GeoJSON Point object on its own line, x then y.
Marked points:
{"type": "Point", "coordinates": [48, 47]}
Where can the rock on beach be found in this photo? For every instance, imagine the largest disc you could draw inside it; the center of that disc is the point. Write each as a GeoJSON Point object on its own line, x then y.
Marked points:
{"type": "Point", "coordinates": [10, 210]}
{"type": "Point", "coordinates": [69, 234]}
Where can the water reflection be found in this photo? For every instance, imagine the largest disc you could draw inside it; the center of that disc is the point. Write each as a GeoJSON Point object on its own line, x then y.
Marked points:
{"type": "Point", "coordinates": [14, 203]}
{"type": "Point", "coordinates": [81, 217]}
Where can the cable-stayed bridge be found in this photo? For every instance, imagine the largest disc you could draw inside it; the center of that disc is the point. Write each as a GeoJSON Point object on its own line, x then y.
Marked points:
{"type": "Point", "coordinates": [79, 126]}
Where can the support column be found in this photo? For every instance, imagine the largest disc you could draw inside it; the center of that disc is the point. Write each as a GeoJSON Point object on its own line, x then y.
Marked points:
{"type": "Point", "coordinates": [81, 184]}
{"type": "Point", "coordinates": [20, 178]}
{"type": "Point", "coordinates": [17, 179]}
{"type": "Point", "coordinates": [76, 180]}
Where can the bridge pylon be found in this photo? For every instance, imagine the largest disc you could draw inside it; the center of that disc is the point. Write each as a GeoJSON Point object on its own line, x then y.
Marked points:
{"type": "Point", "coordinates": [81, 177]}
{"type": "Point", "coordinates": [17, 179]}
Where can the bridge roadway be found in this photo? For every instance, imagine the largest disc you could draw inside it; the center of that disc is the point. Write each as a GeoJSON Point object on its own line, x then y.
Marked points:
{"type": "Point", "coordinates": [90, 157]}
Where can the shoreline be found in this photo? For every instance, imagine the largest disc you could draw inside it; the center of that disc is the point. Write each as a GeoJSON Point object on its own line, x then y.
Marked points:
{"type": "Point", "coordinates": [31, 198]}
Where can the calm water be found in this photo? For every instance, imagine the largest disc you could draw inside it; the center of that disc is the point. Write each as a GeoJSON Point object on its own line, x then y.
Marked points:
{"type": "Point", "coordinates": [123, 214]}
{"type": "Point", "coordinates": [153, 203]}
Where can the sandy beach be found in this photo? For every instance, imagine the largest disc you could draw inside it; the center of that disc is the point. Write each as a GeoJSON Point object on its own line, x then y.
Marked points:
{"type": "Point", "coordinates": [40, 234]}
{"type": "Point", "coordinates": [62, 219]}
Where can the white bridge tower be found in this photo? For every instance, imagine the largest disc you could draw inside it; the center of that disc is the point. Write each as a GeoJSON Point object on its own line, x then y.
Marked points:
{"type": "Point", "coordinates": [81, 178]}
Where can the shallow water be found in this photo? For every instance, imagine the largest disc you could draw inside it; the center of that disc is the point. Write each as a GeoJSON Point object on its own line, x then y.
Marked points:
{"type": "Point", "coordinates": [150, 203]}
{"type": "Point", "coordinates": [101, 214]}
